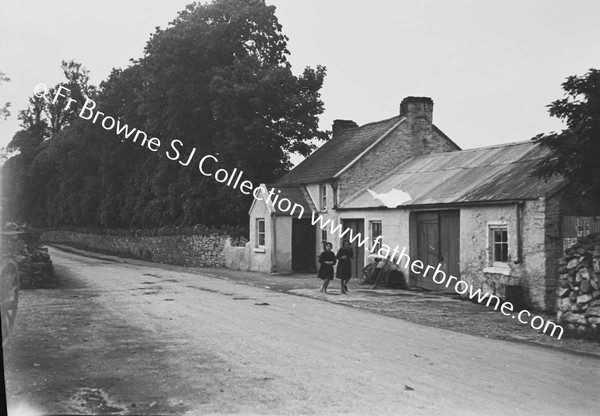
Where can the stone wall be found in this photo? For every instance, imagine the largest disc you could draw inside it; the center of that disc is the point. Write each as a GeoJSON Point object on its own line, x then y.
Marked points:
{"type": "Point", "coordinates": [553, 246]}
{"type": "Point", "coordinates": [578, 292]}
{"type": "Point", "coordinates": [526, 265]}
{"type": "Point", "coordinates": [180, 249]}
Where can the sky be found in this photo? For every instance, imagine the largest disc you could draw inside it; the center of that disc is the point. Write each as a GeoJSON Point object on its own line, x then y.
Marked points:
{"type": "Point", "coordinates": [491, 68]}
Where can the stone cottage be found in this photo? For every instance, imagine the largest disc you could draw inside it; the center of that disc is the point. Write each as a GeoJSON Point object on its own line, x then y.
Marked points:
{"type": "Point", "coordinates": [354, 157]}
{"type": "Point", "coordinates": [477, 212]}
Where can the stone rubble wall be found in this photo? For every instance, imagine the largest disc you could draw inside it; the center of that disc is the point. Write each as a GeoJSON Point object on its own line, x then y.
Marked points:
{"type": "Point", "coordinates": [185, 249]}
{"type": "Point", "coordinates": [578, 292]}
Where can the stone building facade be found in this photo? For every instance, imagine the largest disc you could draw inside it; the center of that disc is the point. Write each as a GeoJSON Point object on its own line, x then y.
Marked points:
{"type": "Point", "coordinates": [355, 156]}
{"type": "Point", "coordinates": [478, 213]}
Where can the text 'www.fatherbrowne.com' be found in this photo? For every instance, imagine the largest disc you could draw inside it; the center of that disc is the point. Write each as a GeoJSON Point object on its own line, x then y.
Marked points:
{"type": "Point", "coordinates": [440, 277]}
{"type": "Point", "coordinates": [272, 198]}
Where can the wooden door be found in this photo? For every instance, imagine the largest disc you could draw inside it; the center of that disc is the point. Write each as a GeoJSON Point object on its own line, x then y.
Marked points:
{"type": "Point", "coordinates": [438, 242]}
{"type": "Point", "coordinates": [428, 246]}
{"type": "Point", "coordinates": [450, 242]}
{"type": "Point", "coordinates": [356, 226]}
{"type": "Point", "coordinates": [303, 245]}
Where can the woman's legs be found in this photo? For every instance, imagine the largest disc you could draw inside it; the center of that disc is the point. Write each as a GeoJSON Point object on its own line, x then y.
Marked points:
{"type": "Point", "coordinates": [342, 286]}
{"type": "Point", "coordinates": [325, 284]}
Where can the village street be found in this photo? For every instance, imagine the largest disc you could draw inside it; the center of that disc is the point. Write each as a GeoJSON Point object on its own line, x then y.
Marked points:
{"type": "Point", "coordinates": [125, 337]}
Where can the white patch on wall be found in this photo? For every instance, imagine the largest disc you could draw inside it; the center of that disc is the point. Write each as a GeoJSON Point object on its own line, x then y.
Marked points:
{"type": "Point", "coordinates": [392, 198]}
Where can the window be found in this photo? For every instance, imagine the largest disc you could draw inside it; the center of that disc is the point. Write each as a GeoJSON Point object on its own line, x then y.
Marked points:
{"type": "Point", "coordinates": [260, 232]}
{"type": "Point", "coordinates": [323, 238]}
{"type": "Point", "coordinates": [499, 244]}
{"type": "Point", "coordinates": [375, 232]}
{"type": "Point", "coordinates": [323, 192]}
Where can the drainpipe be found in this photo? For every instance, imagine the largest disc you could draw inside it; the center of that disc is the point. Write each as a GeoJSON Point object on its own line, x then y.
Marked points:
{"type": "Point", "coordinates": [273, 243]}
{"type": "Point", "coordinates": [518, 209]}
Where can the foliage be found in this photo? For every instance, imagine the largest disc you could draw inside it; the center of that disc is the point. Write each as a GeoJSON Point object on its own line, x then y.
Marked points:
{"type": "Point", "coordinates": [218, 79]}
{"type": "Point", "coordinates": [575, 151]}
{"type": "Point", "coordinates": [4, 110]}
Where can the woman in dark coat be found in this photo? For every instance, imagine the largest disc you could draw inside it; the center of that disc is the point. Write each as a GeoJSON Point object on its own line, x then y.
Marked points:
{"type": "Point", "coordinates": [344, 268]}
{"type": "Point", "coordinates": [327, 260]}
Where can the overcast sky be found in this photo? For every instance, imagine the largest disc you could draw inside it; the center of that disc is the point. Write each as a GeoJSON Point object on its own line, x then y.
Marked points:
{"type": "Point", "coordinates": [490, 67]}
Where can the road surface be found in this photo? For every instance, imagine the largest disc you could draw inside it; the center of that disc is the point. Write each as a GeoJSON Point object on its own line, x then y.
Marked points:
{"type": "Point", "coordinates": [125, 337]}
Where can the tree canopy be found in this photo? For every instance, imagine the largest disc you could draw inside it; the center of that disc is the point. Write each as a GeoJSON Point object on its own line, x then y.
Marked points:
{"type": "Point", "coordinates": [218, 79]}
{"type": "Point", "coordinates": [4, 110]}
{"type": "Point", "coordinates": [575, 152]}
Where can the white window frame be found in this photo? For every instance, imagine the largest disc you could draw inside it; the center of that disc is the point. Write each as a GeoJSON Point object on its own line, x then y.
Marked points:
{"type": "Point", "coordinates": [258, 233]}
{"type": "Point", "coordinates": [374, 237]}
{"type": "Point", "coordinates": [491, 244]}
{"type": "Point", "coordinates": [323, 196]}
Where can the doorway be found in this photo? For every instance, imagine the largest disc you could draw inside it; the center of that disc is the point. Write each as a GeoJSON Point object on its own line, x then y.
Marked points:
{"type": "Point", "coordinates": [438, 242]}
{"type": "Point", "coordinates": [303, 245]}
{"type": "Point", "coordinates": [356, 226]}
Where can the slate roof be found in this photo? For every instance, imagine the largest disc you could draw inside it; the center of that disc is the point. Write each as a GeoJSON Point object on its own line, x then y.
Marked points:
{"type": "Point", "coordinates": [297, 195]}
{"type": "Point", "coordinates": [494, 173]}
{"type": "Point", "coordinates": [338, 152]}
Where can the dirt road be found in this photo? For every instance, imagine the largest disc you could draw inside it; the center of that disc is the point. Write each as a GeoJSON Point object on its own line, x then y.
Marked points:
{"type": "Point", "coordinates": [125, 338]}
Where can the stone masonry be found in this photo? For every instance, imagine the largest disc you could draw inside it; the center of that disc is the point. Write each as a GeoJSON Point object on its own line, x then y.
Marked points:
{"type": "Point", "coordinates": [415, 137]}
{"type": "Point", "coordinates": [178, 249]}
{"type": "Point", "coordinates": [578, 292]}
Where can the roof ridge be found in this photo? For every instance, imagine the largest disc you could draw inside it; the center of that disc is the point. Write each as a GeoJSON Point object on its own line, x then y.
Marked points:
{"type": "Point", "coordinates": [491, 146]}
{"type": "Point", "coordinates": [342, 138]}
{"type": "Point", "coordinates": [475, 149]}
{"type": "Point", "coordinates": [517, 161]}
{"type": "Point", "coordinates": [374, 122]}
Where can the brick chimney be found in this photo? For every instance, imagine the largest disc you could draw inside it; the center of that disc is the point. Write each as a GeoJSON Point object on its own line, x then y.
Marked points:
{"type": "Point", "coordinates": [419, 116]}
{"type": "Point", "coordinates": [339, 125]}
{"type": "Point", "coordinates": [417, 108]}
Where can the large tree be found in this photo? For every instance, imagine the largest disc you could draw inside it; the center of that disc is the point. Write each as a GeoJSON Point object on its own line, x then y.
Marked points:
{"type": "Point", "coordinates": [575, 152]}
{"type": "Point", "coordinates": [4, 112]}
{"type": "Point", "coordinates": [25, 185]}
{"type": "Point", "coordinates": [218, 79]}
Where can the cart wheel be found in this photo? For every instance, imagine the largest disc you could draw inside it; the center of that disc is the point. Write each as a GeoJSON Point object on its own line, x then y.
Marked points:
{"type": "Point", "coordinates": [365, 274]}
{"type": "Point", "coordinates": [9, 296]}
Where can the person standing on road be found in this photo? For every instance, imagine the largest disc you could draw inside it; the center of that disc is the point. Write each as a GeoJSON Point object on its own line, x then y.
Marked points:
{"type": "Point", "coordinates": [344, 268]}
{"type": "Point", "coordinates": [327, 260]}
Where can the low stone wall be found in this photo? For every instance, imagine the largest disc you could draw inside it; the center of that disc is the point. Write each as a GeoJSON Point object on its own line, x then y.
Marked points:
{"type": "Point", "coordinates": [179, 249]}
{"type": "Point", "coordinates": [578, 292]}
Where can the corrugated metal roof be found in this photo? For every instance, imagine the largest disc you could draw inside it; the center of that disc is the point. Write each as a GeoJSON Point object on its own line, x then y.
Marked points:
{"type": "Point", "coordinates": [492, 173]}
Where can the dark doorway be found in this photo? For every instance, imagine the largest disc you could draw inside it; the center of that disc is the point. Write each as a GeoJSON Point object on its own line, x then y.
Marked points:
{"type": "Point", "coordinates": [356, 226]}
{"type": "Point", "coordinates": [438, 242]}
{"type": "Point", "coordinates": [303, 246]}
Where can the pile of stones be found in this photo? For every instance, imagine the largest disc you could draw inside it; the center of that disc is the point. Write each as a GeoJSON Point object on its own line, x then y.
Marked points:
{"type": "Point", "coordinates": [32, 258]}
{"type": "Point", "coordinates": [578, 292]}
